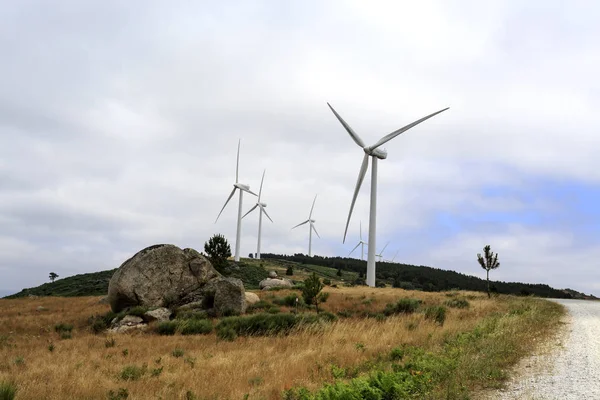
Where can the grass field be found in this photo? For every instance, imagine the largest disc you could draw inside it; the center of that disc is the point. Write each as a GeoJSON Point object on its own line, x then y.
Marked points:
{"type": "Point", "coordinates": [473, 348]}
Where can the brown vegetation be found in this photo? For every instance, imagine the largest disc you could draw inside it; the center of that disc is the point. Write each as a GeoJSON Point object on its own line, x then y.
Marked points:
{"type": "Point", "coordinates": [262, 367]}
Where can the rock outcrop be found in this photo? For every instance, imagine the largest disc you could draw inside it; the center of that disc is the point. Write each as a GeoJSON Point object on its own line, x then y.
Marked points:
{"type": "Point", "coordinates": [269, 283]}
{"type": "Point", "coordinates": [160, 314]}
{"type": "Point", "coordinates": [160, 276]}
{"type": "Point", "coordinates": [167, 276]}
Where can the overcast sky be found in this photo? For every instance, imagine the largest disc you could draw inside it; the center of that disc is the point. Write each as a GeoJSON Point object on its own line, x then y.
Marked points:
{"type": "Point", "coordinates": [119, 122]}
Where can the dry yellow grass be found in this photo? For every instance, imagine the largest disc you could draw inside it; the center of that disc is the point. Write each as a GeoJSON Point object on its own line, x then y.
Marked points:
{"type": "Point", "coordinates": [83, 368]}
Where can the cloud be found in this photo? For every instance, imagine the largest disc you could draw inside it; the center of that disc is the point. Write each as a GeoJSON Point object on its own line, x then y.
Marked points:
{"type": "Point", "coordinates": [119, 124]}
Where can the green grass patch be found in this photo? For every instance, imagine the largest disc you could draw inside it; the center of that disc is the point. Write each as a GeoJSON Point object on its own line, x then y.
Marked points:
{"type": "Point", "coordinates": [8, 390]}
{"type": "Point", "coordinates": [402, 306]}
{"type": "Point", "coordinates": [267, 324]}
{"type": "Point", "coordinates": [195, 327]}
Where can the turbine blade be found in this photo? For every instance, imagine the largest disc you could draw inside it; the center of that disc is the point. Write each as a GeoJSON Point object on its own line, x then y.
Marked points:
{"type": "Point", "coordinates": [382, 250]}
{"type": "Point", "coordinates": [237, 165]}
{"type": "Point", "coordinates": [265, 211]}
{"type": "Point", "coordinates": [392, 135]}
{"type": "Point", "coordinates": [355, 247]}
{"type": "Point", "coordinates": [312, 208]}
{"type": "Point", "coordinates": [315, 229]}
{"type": "Point", "coordinates": [393, 258]}
{"type": "Point", "coordinates": [302, 223]}
{"type": "Point", "coordinates": [249, 211]}
{"type": "Point", "coordinates": [261, 183]}
{"type": "Point", "coordinates": [225, 205]}
{"type": "Point", "coordinates": [353, 134]}
{"type": "Point", "coordinates": [361, 177]}
{"type": "Point", "coordinates": [361, 231]}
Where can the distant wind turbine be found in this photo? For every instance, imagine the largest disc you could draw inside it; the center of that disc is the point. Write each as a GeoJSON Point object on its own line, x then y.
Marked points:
{"type": "Point", "coordinates": [261, 207]}
{"type": "Point", "coordinates": [361, 243]}
{"type": "Point", "coordinates": [393, 258]}
{"type": "Point", "coordinates": [242, 188]}
{"type": "Point", "coordinates": [380, 255]}
{"type": "Point", "coordinates": [312, 228]}
{"type": "Point", "coordinates": [375, 153]}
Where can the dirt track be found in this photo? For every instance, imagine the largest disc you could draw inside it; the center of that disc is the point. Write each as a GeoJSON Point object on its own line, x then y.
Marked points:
{"type": "Point", "coordinates": [568, 367]}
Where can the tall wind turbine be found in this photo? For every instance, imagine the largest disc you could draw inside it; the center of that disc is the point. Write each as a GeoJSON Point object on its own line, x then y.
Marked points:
{"type": "Point", "coordinates": [375, 153]}
{"type": "Point", "coordinates": [361, 243]}
{"type": "Point", "coordinates": [261, 207]}
{"type": "Point", "coordinates": [380, 255]}
{"type": "Point", "coordinates": [242, 188]}
{"type": "Point", "coordinates": [312, 228]}
{"type": "Point", "coordinates": [393, 258]}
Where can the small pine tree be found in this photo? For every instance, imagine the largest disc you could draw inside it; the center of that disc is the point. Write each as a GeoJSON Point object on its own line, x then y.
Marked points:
{"type": "Point", "coordinates": [488, 261]}
{"type": "Point", "coordinates": [289, 270]}
{"type": "Point", "coordinates": [312, 289]}
{"type": "Point", "coordinates": [218, 250]}
{"type": "Point", "coordinates": [53, 276]}
{"type": "Point", "coordinates": [339, 272]}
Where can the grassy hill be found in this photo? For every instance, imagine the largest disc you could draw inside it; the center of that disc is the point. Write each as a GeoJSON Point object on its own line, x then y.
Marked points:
{"type": "Point", "coordinates": [252, 271]}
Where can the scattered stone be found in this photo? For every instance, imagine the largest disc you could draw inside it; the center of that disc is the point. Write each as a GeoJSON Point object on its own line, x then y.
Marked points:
{"type": "Point", "coordinates": [127, 324]}
{"type": "Point", "coordinates": [131, 320]}
{"type": "Point", "coordinates": [128, 328]}
{"type": "Point", "coordinates": [41, 308]}
{"type": "Point", "coordinates": [251, 298]}
{"type": "Point", "coordinates": [269, 283]}
{"type": "Point", "coordinates": [160, 314]}
{"type": "Point", "coordinates": [272, 274]}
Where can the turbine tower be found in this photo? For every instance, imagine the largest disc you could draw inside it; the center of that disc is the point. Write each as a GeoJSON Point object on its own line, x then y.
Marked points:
{"type": "Point", "coordinates": [362, 244]}
{"type": "Point", "coordinates": [375, 153]}
{"type": "Point", "coordinates": [380, 255]}
{"type": "Point", "coordinates": [312, 228]}
{"type": "Point", "coordinates": [261, 207]}
{"type": "Point", "coordinates": [242, 188]}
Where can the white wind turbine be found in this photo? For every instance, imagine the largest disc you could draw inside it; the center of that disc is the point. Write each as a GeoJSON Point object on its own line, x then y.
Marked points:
{"type": "Point", "coordinates": [261, 207]}
{"type": "Point", "coordinates": [393, 258]}
{"type": "Point", "coordinates": [312, 228]}
{"type": "Point", "coordinates": [380, 255]}
{"type": "Point", "coordinates": [361, 243]}
{"type": "Point", "coordinates": [375, 153]}
{"type": "Point", "coordinates": [242, 188]}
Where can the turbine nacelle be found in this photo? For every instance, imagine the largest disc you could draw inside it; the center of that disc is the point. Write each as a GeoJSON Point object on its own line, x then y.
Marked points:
{"type": "Point", "coordinates": [379, 153]}
{"type": "Point", "coordinates": [241, 186]}
{"type": "Point", "coordinates": [312, 221]}
{"type": "Point", "coordinates": [263, 205]}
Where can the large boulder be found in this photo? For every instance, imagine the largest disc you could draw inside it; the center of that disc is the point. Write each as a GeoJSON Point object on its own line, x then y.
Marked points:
{"type": "Point", "coordinates": [269, 283]}
{"type": "Point", "coordinates": [228, 296]}
{"type": "Point", "coordinates": [161, 276]}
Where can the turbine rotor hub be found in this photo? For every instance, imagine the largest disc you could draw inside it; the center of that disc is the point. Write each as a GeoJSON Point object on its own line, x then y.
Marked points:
{"type": "Point", "coordinates": [379, 153]}
{"type": "Point", "coordinates": [241, 186]}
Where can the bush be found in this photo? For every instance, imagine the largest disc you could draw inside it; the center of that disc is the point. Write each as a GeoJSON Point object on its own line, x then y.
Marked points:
{"type": "Point", "coordinates": [397, 353]}
{"type": "Point", "coordinates": [267, 324]}
{"type": "Point", "coordinates": [403, 306]}
{"type": "Point", "coordinates": [326, 281]}
{"type": "Point", "coordinates": [195, 327]}
{"type": "Point", "coordinates": [436, 313]}
{"type": "Point", "coordinates": [177, 353]}
{"type": "Point", "coordinates": [166, 328]}
{"type": "Point", "coordinates": [289, 271]}
{"type": "Point", "coordinates": [137, 311]}
{"type": "Point", "coordinates": [227, 333]}
{"type": "Point", "coordinates": [323, 297]}
{"type": "Point", "coordinates": [62, 327]}
{"type": "Point", "coordinates": [289, 300]}
{"type": "Point", "coordinates": [132, 372]}
{"type": "Point", "coordinates": [121, 394]}
{"type": "Point", "coordinates": [457, 303]}
{"type": "Point", "coordinates": [8, 390]}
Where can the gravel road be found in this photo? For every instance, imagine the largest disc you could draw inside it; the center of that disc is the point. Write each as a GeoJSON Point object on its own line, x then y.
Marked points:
{"type": "Point", "coordinates": [568, 367]}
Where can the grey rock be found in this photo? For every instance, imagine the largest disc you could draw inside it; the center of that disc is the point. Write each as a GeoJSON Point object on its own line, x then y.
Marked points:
{"type": "Point", "coordinates": [128, 328]}
{"type": "Point", "coordinates": [160, 314]}
{"type": "Point", "coordinates": [269, 283]}
{"type": "Point", "coordinates": [130, 320]}
{"type": "Point", "coordinates": [251, 298]}
{"type": "Point", "coordinates": [191, 306]}
{"type": "Point", "coordinates": [41, 308]}
{"type": "Point", "coordinates": [272, 274]}
{"type": "Point", "coordinates": [229, 296]}
{"type": "Point", "coordinates": [160, 276]}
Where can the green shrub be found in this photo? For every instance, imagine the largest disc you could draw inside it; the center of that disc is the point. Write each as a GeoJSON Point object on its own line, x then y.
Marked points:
{"type": "Point", "coordinates": [323, 297]}
{"type": "Point", "coordinates": [289, 271]}
{"type": "Point", "coordinates": [289, 300]}
{"type": "Point", "coordinates": [327, 281]}
{"type": "Point", "coordinates": [436, 313]}
{"type": "Point", "coordinates": [457, 303]}
{"type": "Point", "coordinates": [166, 328]}
{"type": "Point", "coordinates": [8, 390]}
{"type": "Point", "coordinates": [62, 327]}
{"type": "Point", "coordinates": [132, 372]}
{"type": "Point", "coordinates": [191, 314]}
{"type": "Point", "coordinates": [397, 354]}
{"type": "Point", "coordinates": [267, 324]}
{"type": "Point", "coordinates": [402, 306]}
{"type": "Point", "coordinates": [195, 327]}
{"type": "Point", "coordinates": [156, 371]}
{"type": "Point", "coordinates": [177, 353]}
{"type": "Point", "coordinates": [51, 347]}
{"type": "Point", "coordinates": [345, 313]}
{"type": "Point", "coordinates": [65, 335]}
{"type": "Point", "coordinates": [137, 311]}
{"type": "Point", "coordinates": [121, 394]}
{"type": "Point", "coordinates": [227, 333]}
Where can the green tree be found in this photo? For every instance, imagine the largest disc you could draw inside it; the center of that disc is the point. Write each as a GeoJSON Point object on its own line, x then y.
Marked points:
{"type": "Point", "coordinates": [218, 250]}
{"type": "Point", "coordinates": [289, 270]}
{"type": "Point", "coordinates": [311, 292]}
{"type": "Point", "coordinates": [53, 276]}
{"type": "Point", "coordinates": [339, 272]}
{"type": "Point", "coordinates": [488, 261]}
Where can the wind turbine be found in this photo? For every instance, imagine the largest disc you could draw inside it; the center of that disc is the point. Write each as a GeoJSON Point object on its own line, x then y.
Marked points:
{"type": "Point", "coordinates": [361, 243]}
{"type": "Point", "coordinates": [375, 153]}
{"type": "Point", "coordinates": [380, 255]}
{"type": "Point", "coordinates": [261, 207]}
{"type": "Point", "coordinates": [311, 229]}
{"type": "Point", "coordinates": [393, 258]}
{"type": "Point", "coordinates": [242, 188]}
